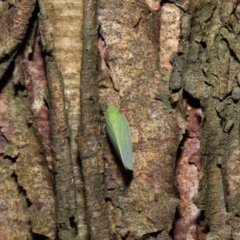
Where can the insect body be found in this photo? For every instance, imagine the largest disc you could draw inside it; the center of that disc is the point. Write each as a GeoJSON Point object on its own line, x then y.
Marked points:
{"type": "Point", "coordinates": [120, 136]}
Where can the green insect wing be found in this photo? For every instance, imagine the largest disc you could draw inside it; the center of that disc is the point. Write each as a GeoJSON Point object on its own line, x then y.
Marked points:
{"type": "Point", "coordinates": [120, 136]}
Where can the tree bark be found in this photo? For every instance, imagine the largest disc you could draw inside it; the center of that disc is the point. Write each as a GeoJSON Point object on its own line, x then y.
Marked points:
{"type": "Point", "coordinates": [171, 68]}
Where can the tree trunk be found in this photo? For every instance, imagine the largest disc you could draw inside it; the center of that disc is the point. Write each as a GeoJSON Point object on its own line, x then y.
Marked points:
{"type": "Point", "coordinates": [171, 68]}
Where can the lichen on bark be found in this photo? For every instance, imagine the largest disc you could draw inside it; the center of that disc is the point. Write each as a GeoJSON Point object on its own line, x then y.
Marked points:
{"type": "Point", "coordinates": [141, 204]}
{"type": "Point", "coordinates": [89, 139]}
{"type": "Point", "coordinates": [14, 18]}
{"type": "Point", "coordinates": [210, 73]}
{"type": "Point", "coordinates": [60, 28]}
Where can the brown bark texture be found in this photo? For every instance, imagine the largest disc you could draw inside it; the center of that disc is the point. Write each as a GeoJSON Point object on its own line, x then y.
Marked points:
{"type": "Point", "coordinates": [171, 68]}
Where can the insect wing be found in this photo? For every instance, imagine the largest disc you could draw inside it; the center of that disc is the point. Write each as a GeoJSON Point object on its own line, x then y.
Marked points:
{"type": "Point", "coordinates": [112, 134]}
{"type": "Point", "coordinates": [120, 136]}
{"type": "Point", "coordinates": [126, 143]}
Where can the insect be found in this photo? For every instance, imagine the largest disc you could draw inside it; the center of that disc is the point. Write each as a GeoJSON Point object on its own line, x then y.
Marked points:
{"type": "Point", "coordinates": [119, 133]}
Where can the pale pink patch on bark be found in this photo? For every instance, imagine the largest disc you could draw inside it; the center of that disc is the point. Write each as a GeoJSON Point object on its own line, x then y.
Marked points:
{"type": "Point", "coordinates": [36, 84]}
{"type": "Point", "coordinates": [153, 4]}
{"type": "Point", "coordinates": [169, 33]}
{"type": "Point", "coordinates": [187, 177]}
{"type": "Point", "coordinates": [103, 55]}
